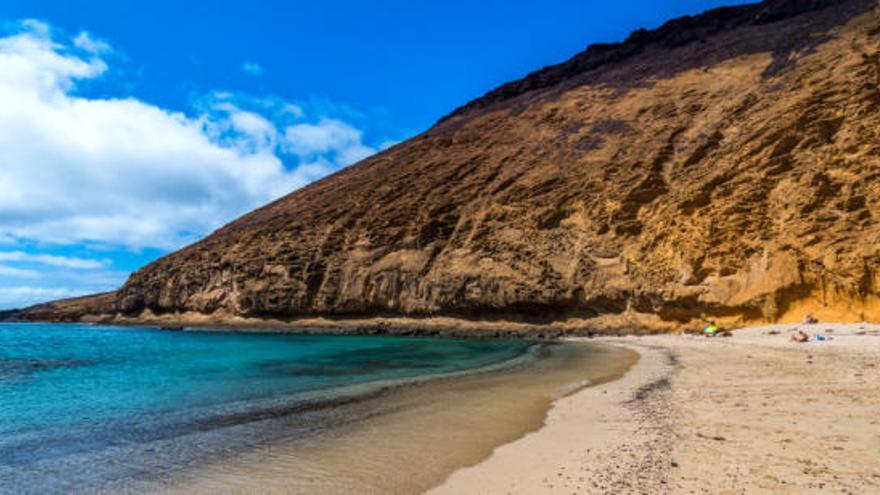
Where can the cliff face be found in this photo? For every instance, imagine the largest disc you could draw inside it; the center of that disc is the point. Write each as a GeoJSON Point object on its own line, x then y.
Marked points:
{"type": "Point", "coordinates": [724, 166]}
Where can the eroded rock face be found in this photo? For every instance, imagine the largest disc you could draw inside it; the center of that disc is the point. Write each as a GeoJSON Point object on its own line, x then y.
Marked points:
{"type": "Point", "coordinates": [723, 166]}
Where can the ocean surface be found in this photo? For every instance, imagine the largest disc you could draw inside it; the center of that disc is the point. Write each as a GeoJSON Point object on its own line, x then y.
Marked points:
{"type": "Point", "coordinates": [93, 408]}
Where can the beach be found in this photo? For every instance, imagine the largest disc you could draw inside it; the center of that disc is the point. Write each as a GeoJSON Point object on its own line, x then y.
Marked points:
{"type": "Point", "coordinates": [753, 413]}
{"type": "Point", "coordinates": [410, 438]}
{"type": "Point", "coordinates": [674, 413]}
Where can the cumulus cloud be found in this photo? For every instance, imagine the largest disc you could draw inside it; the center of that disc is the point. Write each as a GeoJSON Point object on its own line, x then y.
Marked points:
{"type": "Point", "coordinates": [328, 136]}
{"type": "Point", "coordinates": [124, 172]}
{"type": "Point", "coordinates": [252, 68]}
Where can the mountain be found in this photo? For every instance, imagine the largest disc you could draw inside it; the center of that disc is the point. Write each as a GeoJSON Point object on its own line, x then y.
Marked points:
{"type": "Point", "coordinates": [725, 166]}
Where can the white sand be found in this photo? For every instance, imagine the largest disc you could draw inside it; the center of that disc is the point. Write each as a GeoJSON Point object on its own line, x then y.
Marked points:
{"type": "Point", "coordinates": [754, 413]}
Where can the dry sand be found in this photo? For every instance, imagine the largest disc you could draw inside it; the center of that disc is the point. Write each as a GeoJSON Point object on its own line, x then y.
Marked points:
{"type": "Point", "coordinates": [754, 413]}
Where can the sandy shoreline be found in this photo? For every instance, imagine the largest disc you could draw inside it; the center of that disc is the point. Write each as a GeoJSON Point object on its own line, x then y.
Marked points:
{"type": "Point", "coordinates": [583, 434]}
{"type": "Point", "coordinates": [754, 413]}
{"type": "Point", "coordinates": [410, 437]}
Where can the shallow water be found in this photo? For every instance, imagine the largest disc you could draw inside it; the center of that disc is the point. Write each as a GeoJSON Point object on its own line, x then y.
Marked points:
{"type": "Point", "coordinates": [89, 408]}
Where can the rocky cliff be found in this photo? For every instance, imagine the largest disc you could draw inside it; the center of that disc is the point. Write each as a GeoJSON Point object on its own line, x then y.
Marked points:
{"type": "Point", "coordinates": [724, 166]}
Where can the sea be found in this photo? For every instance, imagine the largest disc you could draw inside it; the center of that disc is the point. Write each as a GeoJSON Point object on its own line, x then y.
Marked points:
{"type": "Point", "coordinates": [108, 409]}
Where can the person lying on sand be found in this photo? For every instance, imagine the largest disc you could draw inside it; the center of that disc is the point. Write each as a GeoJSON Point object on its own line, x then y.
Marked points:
{"type": "Point", "coordinates": [711, 330]}
{"type": "Point", "coordinates": [800, 337]}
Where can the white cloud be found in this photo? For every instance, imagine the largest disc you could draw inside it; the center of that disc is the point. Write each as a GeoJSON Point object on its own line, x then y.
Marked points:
{"type": "Point", "coordinates": [84, 41]}
{"type": "Point", "coordinates": [18, 297]}
{"type": "Point", "coordinates": [252, 68]}
{"type": "Point", "coordinates": [53, 260]}
{"type": "Point", "coordinates": [125, 172]}
{"type": "Point", "coordinates": [36, 27]}
{"type": "Point", "coordinates": [388, 144]}
{"type": "Point", "coordinates": [12, 272]}
{"type": "Point", "coordinates": [328, 136]}
{"type": "Point", "coordinates": [32, 65]}
{"type": "Point", "coordinates": [295, 111]}
{"type": "Point", "coordinates": [241, 128]}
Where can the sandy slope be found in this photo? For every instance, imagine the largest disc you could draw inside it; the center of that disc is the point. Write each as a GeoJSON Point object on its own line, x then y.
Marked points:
{"type": "Point", "coordinates": [750, 414]}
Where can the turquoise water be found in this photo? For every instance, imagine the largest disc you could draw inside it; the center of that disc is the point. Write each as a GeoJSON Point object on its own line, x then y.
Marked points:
{"type": "Point", "coordinates": [87, 407]}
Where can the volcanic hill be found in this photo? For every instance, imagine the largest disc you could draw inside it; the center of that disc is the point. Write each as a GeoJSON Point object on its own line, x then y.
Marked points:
{"type": "Point", "coordinates": [724, 166]}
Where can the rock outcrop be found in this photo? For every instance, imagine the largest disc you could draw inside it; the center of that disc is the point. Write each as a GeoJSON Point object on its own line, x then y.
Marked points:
{"type": "Point", "coordinates": [724, 166]}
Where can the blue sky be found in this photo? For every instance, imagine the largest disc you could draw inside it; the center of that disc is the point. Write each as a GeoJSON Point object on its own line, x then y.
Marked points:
{"type": "Point", "coordinates": [132, 128]}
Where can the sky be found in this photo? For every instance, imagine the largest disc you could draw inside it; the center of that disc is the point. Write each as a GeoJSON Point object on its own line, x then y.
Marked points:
{"type": "Point", "coordinates": [129, 129]}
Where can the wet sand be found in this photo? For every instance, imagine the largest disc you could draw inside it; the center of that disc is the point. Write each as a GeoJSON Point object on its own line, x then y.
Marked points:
{"type": "Point", "coordinates": [754, 413]}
